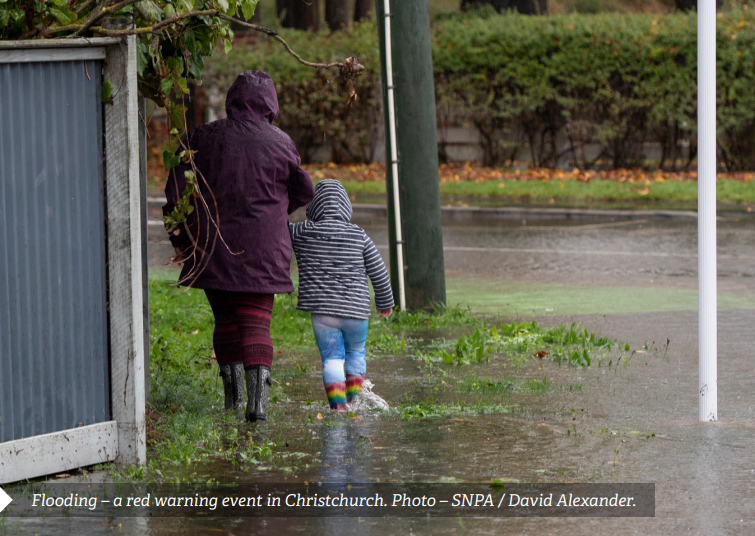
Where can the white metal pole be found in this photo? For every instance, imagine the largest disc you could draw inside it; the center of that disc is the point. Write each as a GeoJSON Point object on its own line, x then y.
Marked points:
{"type": "Point", "coordinates": [394, 155]}
{"type": "Point", "coordinates": [706, 203]}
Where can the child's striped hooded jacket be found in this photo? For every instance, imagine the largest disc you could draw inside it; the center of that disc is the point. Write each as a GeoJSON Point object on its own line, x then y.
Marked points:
{"type": "Point", "coordinates": [335, 257]}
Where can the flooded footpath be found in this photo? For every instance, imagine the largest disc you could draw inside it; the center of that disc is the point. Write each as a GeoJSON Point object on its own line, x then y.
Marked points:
{"type": "Point", "coordinates": [631, 416]}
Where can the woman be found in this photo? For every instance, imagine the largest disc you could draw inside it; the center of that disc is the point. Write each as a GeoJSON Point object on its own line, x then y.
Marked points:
{"type": "Point", "coordinates": [240, 253]}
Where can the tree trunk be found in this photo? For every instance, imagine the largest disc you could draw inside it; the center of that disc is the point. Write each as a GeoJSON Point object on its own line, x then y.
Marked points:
{"type": "Point", "coordinates": [417, 148]}
{"type": "Point", "coordinates": [687, 5]}
{"type": "Point", "coordinates": [300, 14]}
{"type": "Point", "coordinates": [526, 7]}
{"type": "Point", "coordinates": [337, 14]}
{"type": "Point", "coordinates": [283, 10]}
{"type": "Point", "coordinates": [362, 10]}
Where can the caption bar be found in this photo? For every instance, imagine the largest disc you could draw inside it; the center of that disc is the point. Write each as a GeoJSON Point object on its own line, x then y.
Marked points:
{"type": "Point", "coordinates": [332, 500]}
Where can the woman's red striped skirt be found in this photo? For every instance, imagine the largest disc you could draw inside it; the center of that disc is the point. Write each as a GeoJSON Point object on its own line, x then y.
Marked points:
{"type": "Point", "coordinates": [242, 327]}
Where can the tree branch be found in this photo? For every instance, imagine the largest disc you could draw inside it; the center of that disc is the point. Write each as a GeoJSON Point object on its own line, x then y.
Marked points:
{"type": "Point", "coordinates": [275, 35]}
{"type": "Point", "coordinates": [133, 31]}
{"type": "Point", "coordinates": [97, 15]}
{"type": "Point", "coordinates": [83, 6]}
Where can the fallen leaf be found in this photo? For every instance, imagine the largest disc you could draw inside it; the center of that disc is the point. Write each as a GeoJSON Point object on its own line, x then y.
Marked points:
{"type": "Point", "coordinates": [319, 415]}
{"type": "Point", "coordinates": [541, 354]}
{"type": "Point", "coordinates": [543, 424]}
{"type": "Point", "coordinates": [195, 332]}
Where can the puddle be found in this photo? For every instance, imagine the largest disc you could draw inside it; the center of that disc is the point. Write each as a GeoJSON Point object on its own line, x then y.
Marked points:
{"type": "Point", "coordinates": [626, 423]}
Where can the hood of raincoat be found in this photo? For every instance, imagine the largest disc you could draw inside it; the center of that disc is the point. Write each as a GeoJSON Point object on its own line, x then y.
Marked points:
{"type": "Point", "coordinates": [252, 96]}
{"type": "Point", "coordinates": [331, 202]}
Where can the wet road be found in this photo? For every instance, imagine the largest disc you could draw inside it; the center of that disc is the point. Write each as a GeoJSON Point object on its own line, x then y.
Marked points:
{"type": "Point", "coordinates": [704, 473]}
{"type": "Point", "coordinates": [605, 252]}
{"type": "Point", "coordinates": [628, 253]}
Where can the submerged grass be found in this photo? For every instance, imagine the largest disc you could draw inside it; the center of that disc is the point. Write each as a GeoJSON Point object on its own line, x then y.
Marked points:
{"type": "Point", "coordinates": [186, 420]}
{"type": "Point", "coordinates": [424, 409]}
{"type": "Point", "coordinates": [188, 431]}
{"type": "Point", "coordinates": [519, 341]}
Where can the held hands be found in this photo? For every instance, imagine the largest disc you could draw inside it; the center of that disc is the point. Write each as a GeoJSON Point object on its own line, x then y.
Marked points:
{"type": "Point", "coordinates": [385, 313]}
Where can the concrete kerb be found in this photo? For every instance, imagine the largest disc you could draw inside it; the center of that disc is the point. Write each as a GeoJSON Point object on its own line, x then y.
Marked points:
{"type": "Point", "coordinates": [377, 213]}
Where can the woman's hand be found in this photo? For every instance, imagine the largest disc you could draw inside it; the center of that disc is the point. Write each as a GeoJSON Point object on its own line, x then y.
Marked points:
{"type": "Point", "coordinates": [179, 258]}
{"type": "Point", "coordinates": [385, 313]}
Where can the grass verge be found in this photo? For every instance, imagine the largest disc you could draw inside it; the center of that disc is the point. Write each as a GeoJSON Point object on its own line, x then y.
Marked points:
{"type": "Point", "coordinates": [192, 439]}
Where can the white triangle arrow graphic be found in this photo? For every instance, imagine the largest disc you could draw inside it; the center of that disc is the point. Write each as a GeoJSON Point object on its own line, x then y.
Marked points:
{"type": "Point", "coordinates": [5, 500]}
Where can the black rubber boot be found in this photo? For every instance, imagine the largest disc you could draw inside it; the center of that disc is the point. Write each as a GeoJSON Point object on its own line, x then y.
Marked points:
{"type": "Point", "coordinates": [258, 382]}
{"type": "Point", "coordinates": [233, 384]}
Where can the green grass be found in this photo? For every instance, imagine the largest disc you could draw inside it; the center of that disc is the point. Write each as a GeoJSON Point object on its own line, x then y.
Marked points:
{"type": "Point", "coordinates": [519, 342]}
{"type": "Point", "coordinates": [186, 421]}
{"type": "Point", "coordinates": [427, 409]}
{"type": "Point", "coordinates": [571, 192]}
{"type": "Point", "coordinates": [512, 299]}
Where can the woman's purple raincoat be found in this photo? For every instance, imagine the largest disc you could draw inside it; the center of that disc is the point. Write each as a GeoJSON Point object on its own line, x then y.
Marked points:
{"type": "Point", "coordinates": [255, 175]}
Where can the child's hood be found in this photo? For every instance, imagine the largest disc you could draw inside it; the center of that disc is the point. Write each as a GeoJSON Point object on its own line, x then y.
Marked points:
{"type": "Point", "coordinates": [331, 202]}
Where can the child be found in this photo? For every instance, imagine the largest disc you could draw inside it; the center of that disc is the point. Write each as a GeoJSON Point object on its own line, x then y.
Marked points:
{"type": "Point", "coordinates": [335, 258]}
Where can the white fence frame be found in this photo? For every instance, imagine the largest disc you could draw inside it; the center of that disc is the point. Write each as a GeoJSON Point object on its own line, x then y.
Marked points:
{"type": "Point", "coordinates": [123, 439]}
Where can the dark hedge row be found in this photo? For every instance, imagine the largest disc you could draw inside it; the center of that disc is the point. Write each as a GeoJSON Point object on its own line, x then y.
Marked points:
{"type": "Point", "coordinates": [539, 87]}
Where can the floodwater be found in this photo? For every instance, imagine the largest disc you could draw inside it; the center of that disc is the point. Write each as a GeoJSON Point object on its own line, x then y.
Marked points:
{"type": "Point", "coordinates": [704, 473]}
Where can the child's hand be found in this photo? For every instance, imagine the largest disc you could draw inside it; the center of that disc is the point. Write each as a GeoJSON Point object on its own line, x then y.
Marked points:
{"type": "Point", "coordinates": [385, 313]}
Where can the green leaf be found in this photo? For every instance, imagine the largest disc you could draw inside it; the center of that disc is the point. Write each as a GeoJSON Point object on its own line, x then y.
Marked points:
{"type": "Point", "coordinates": [223, 5]}
{"type": "Point", "coordinates": [189, 177]}
{"type": "Point", "coordinates": [166, 84]}
{"type": "Point", "coordinates": [4, 17]}
{"type": "Point", "coordinates": [184, 6]}
{"type": "Point", "coordinates": [189, 42]}
{"type": "Point", "coordinates": [149, 10]}
{"type": "Point", "coordinates": [58, 3]}
{"type": "Point", "coordinates": [196, 65]}
{"type": "Point", "coordinates": [63, 15]}
{"type": "Point", "coordinates": [183, 86]}
{"type": "Point", "coordinates": [169, 11]}
{"type": "Point", "coordinates": [227, 45]}
{"type": "Point", "coordinates": [177, 116]}
{"type": "Point", "coordinates": [142, 58]}
{"type": "Point", "coordinates": [170, 160]}
{"type": "Point", "coordinates": [107, 91]}
{"type": "Point", "coordinates": [17, 14]}
{"type": "Point", "coordinates": [248, 7]}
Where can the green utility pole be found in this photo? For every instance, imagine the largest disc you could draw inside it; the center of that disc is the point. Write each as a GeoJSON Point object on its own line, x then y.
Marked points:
{"type": "Point", "coordinates": [418, 153]}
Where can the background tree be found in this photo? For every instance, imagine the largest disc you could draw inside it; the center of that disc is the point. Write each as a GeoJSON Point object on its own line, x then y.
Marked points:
{"type": "Point", "coordinates": [687, 5]}
{"type": "Point", "coordinates": [362, 9]}
{"type": "Point", "coordinates": [299, 14]}
{"type": "Point", "coordinates": [337, 14]}
{"type": "Point", "coordinates": [526, 7]}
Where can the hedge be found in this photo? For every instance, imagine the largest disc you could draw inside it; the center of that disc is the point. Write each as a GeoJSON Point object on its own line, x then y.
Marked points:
{"type": "Point", "coordinates": [546, 85]}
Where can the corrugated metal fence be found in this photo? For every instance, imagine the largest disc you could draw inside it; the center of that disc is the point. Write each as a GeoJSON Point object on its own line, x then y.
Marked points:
{"type": "Point", "coordinates": [53, 320]}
